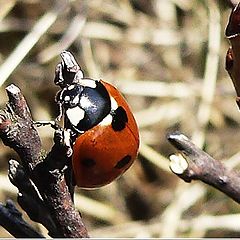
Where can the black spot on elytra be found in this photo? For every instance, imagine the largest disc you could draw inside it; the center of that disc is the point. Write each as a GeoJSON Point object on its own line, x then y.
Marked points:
{"type": "Point", "coordinates": [88, 162]}
{"type": "Point", "coordinates": [120, 119]}
{"type": "Point", "coordinates": [123, 162]}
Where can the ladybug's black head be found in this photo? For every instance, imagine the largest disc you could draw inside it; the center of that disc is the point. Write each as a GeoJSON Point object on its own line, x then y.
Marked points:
{"type": "Point", "coordinates": [68, 71]}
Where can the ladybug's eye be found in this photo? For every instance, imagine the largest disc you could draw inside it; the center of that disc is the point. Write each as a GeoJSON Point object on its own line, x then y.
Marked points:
{"type": "Point", "coordinates": [70, 96]}
{"type": "Point", "coordinates": [67, 98]}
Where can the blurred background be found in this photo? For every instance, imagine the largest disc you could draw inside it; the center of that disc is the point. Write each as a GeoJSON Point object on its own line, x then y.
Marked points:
{"type": "Point", "coordinates": [167, 57]}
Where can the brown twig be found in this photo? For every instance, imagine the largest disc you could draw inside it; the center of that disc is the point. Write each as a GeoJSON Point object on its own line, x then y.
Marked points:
{"type": "Point", "coordinates": [195, 164]}
{"type": "Point", "coordinates": [56, 192]}
{"type": "Point", "coordinates": [11, 219]}
{"type": "Point", "coordinates": [29, 198]}
{"type": "Point", "coordinates": [18, 131]}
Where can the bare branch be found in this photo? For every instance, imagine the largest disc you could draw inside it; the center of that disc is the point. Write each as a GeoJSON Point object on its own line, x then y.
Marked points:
{"type": "Point", "coordinates": [11, 220]}
{"type": "Point", "coordinates": [53, 198]}
{"type": "Point", "coordinates": [29, 198]}
{"type": "Point", "coordinates": [195, 164]}
{"type": "Point", "coordinates": [18, 131]}
{"type": "Point", "coordinates": [56, 192]}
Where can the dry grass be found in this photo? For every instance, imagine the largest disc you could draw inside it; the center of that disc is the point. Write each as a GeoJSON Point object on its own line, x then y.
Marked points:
{"type": "Point", "coordinates": [167, 58]}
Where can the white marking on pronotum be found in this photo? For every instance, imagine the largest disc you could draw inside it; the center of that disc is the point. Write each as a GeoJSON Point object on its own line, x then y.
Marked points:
{"type": "Point", "coordinates": [114, 104]}
{"type": "Point", "coordinates": [85, 103]}
{"type": "Point", "coordinates": [88, 83]}
{"type": "Point", "coordinates": [75, 115]}
{"type": "Point", "coordinates": [106, 121]}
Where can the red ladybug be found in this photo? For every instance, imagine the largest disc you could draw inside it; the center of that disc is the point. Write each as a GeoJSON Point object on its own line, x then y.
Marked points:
{"type": "Point", "coordinates": [103, 128]}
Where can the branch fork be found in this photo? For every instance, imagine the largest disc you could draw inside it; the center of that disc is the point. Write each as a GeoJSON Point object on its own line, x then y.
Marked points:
{"type": "Point", "coordinates": [44, 182]}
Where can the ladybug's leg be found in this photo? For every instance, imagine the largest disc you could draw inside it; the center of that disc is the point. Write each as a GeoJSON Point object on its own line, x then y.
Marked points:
{"type": "Point", "coordinates": [73, 135]}
{"type": "Point", "coordinates": [58, 99]}
{"type": "Point", "coordinates": [63, 137]}
{"type": "Point", "coordinates": [53, 124]}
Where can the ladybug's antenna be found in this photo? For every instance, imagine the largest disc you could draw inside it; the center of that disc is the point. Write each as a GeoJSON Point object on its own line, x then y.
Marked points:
{"type": "Point", "coordinates": [68, 71]}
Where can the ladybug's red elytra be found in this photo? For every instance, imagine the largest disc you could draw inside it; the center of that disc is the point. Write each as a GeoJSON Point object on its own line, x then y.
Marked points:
{"type": "Point", "coordinates": [104, 132]}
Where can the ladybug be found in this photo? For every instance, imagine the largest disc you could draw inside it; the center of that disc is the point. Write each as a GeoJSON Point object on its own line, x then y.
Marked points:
{"type": "Point", "coordinates": [103, 129]}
